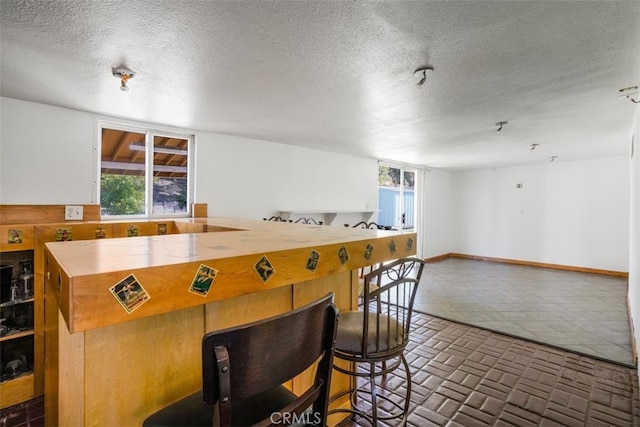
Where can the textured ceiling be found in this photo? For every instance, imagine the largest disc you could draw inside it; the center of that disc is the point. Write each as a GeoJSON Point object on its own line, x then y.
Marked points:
{"type": "Point", "coordinates": [339, 75]}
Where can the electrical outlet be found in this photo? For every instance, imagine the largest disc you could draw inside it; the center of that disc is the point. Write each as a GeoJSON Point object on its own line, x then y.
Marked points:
{"type": "Point", "coordinates": [73, 213]}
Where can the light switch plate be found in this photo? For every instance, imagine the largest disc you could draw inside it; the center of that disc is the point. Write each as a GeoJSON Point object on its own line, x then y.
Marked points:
{"type": "Point", "coordinates": [73, 213]}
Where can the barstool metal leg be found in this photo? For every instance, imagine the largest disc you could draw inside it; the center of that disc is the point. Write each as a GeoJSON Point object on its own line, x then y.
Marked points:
{"type": "Point", "coordinates": [372, 386]}
{"type": "Point", "coordinates": [407, 399]}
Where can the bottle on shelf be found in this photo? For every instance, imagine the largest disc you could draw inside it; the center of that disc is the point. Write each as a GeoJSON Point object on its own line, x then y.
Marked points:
{"type": "Point", "coordinates": [26, 279]}
{"type": "Point", "coordinates": [15, 291]}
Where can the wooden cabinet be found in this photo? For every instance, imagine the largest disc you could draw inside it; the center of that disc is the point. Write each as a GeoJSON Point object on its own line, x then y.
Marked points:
{"type": "Point", "coordinates": [24, 230]}
{"type": "Point", "coordinates": [18, 355]}
{"type": "Point", "coordinates": [150, 349]}
{"type": "Point", "coordinates": [22, 344]}
{"type": "Point", "coordinates": [240, 295]}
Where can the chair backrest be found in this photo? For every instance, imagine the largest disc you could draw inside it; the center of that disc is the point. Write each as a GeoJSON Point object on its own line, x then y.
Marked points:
{"type": "Point", "coordinates": [389, 305]}
{"type": "Point", "coordinates": [305, 220]}
{"type": "Point", "coordinates": [365, 224]}
{"type": "Point", "coordinates": [243, 361]}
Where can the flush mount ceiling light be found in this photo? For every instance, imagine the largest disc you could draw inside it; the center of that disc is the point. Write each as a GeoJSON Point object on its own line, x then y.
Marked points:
{"type": "Point", "coordinates": [629, 93]}
{"type": "Point", "coordinates": [423, 71]}
{"type": "Point", "coordinates": [500, 125]}
{"type": "Point", "coordinates": [124, 74]}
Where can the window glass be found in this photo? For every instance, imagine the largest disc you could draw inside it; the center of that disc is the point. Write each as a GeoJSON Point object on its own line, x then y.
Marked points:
{"type": "Point", "coordinates": [169, 175]}
{"type": "Point", "coordinates": [396, 197]}
{"type": "Point", "coordinates": [144, 173]}
{"type": "Point", "coordinates": [122, 173]}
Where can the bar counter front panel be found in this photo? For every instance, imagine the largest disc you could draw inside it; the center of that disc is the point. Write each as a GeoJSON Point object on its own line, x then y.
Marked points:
{"type": "Point", "coordinates": [124, 317]}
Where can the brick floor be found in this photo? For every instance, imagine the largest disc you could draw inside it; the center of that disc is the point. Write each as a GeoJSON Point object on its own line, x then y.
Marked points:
{"type": "Point", "coordinates": [467, 376]}
{"type": "Point", "coordinates": [27, 414]}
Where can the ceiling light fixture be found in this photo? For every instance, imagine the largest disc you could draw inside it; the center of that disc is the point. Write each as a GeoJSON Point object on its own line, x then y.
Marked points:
{"type": "Point", "coordinates": [423, 70]}
{"type": "Point", "coordinates": [124, 74]}
{"type": "Point", "coordinates": [500, 124]}
{"type": "Point", "coordinates": [629, 93]}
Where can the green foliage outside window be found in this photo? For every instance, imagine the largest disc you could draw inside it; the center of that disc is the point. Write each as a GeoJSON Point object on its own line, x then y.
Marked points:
{"type": "Point", "coordinates": [388, 177]}
{"type": "Point", "coordinates": [122, 194]}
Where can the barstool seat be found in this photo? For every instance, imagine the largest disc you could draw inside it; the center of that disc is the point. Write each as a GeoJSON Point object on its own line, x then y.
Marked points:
{"type": "Point", "coordinates": [350, 331]}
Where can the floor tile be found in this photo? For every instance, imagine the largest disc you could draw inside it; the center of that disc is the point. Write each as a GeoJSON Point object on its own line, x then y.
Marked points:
{"type": "Point", "coordinates": [577, 311]}
{"type": "Point", "coordinates": [467, 376]}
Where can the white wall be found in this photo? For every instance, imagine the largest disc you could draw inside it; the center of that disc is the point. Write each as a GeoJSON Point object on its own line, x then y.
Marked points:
{"type": "Point", "coordinates": [438, 224]}
{"type": "Point", "coordinates": [47, 157]}
{"type": "Point", "coordinates": [573, 213]}
{"type": "Point", "coordinates": [46, 154]}
{"type": "Point", "coordinates": [251, 178]}
{"type": "Point", "coordinates": [634, 247]}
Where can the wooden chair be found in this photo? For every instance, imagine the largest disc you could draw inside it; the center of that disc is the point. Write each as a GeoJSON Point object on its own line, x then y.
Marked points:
{"type": "Point", "coordinates": [243, 369]}
{"type": "Point", "coordinates": [375, 338]}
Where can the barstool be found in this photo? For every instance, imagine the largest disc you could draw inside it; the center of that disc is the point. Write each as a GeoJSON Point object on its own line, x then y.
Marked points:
{"type": "Point", "coordinates": [243, 369]}
{"type": "Point", "coordinates": [373, 339]}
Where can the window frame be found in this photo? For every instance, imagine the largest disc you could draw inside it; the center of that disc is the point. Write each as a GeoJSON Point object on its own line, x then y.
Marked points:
{"type": "Point", "coordinates": [150, 133]}
{"type": "Point", "coordinates": [398, 220]}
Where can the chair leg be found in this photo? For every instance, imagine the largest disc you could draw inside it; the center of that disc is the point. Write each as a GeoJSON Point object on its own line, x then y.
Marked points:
{"type": "Point", "coordinates": [407, 400]}
{"type": "Point", "coordinates": [360, 387]}
{"type": "Point", "coordinates": [404, 408]}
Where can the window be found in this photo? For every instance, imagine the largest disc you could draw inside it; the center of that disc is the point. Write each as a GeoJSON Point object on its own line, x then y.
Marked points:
{"type": "Point", "coordinates": [144, 172]}
{"type": "Point", "coordinates": [396, 197]}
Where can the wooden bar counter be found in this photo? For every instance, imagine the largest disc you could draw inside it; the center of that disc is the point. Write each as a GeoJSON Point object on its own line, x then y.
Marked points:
{"type": "Point", "coordinates": [124, 317]}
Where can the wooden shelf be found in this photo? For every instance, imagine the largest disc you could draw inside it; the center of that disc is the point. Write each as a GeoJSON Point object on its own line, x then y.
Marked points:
{"type": "Point", "coordinates": [17, 335]}
{"type": "Point", "coordinates": [12, 303]}
{"type": "Point", "coordinates": [17, 390]}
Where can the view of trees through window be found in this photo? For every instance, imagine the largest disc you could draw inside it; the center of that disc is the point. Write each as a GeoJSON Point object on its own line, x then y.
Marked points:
{"type": "Point", "coordinates": [390, 177]}
{"type": "Point", "coordinates": [124, 174]}
{"type": "Point", "coordinates": [121, 194]}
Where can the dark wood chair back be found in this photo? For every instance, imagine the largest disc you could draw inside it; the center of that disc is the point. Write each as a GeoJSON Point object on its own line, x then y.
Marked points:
{"type": "Point", "coordinates": [241, 362]}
